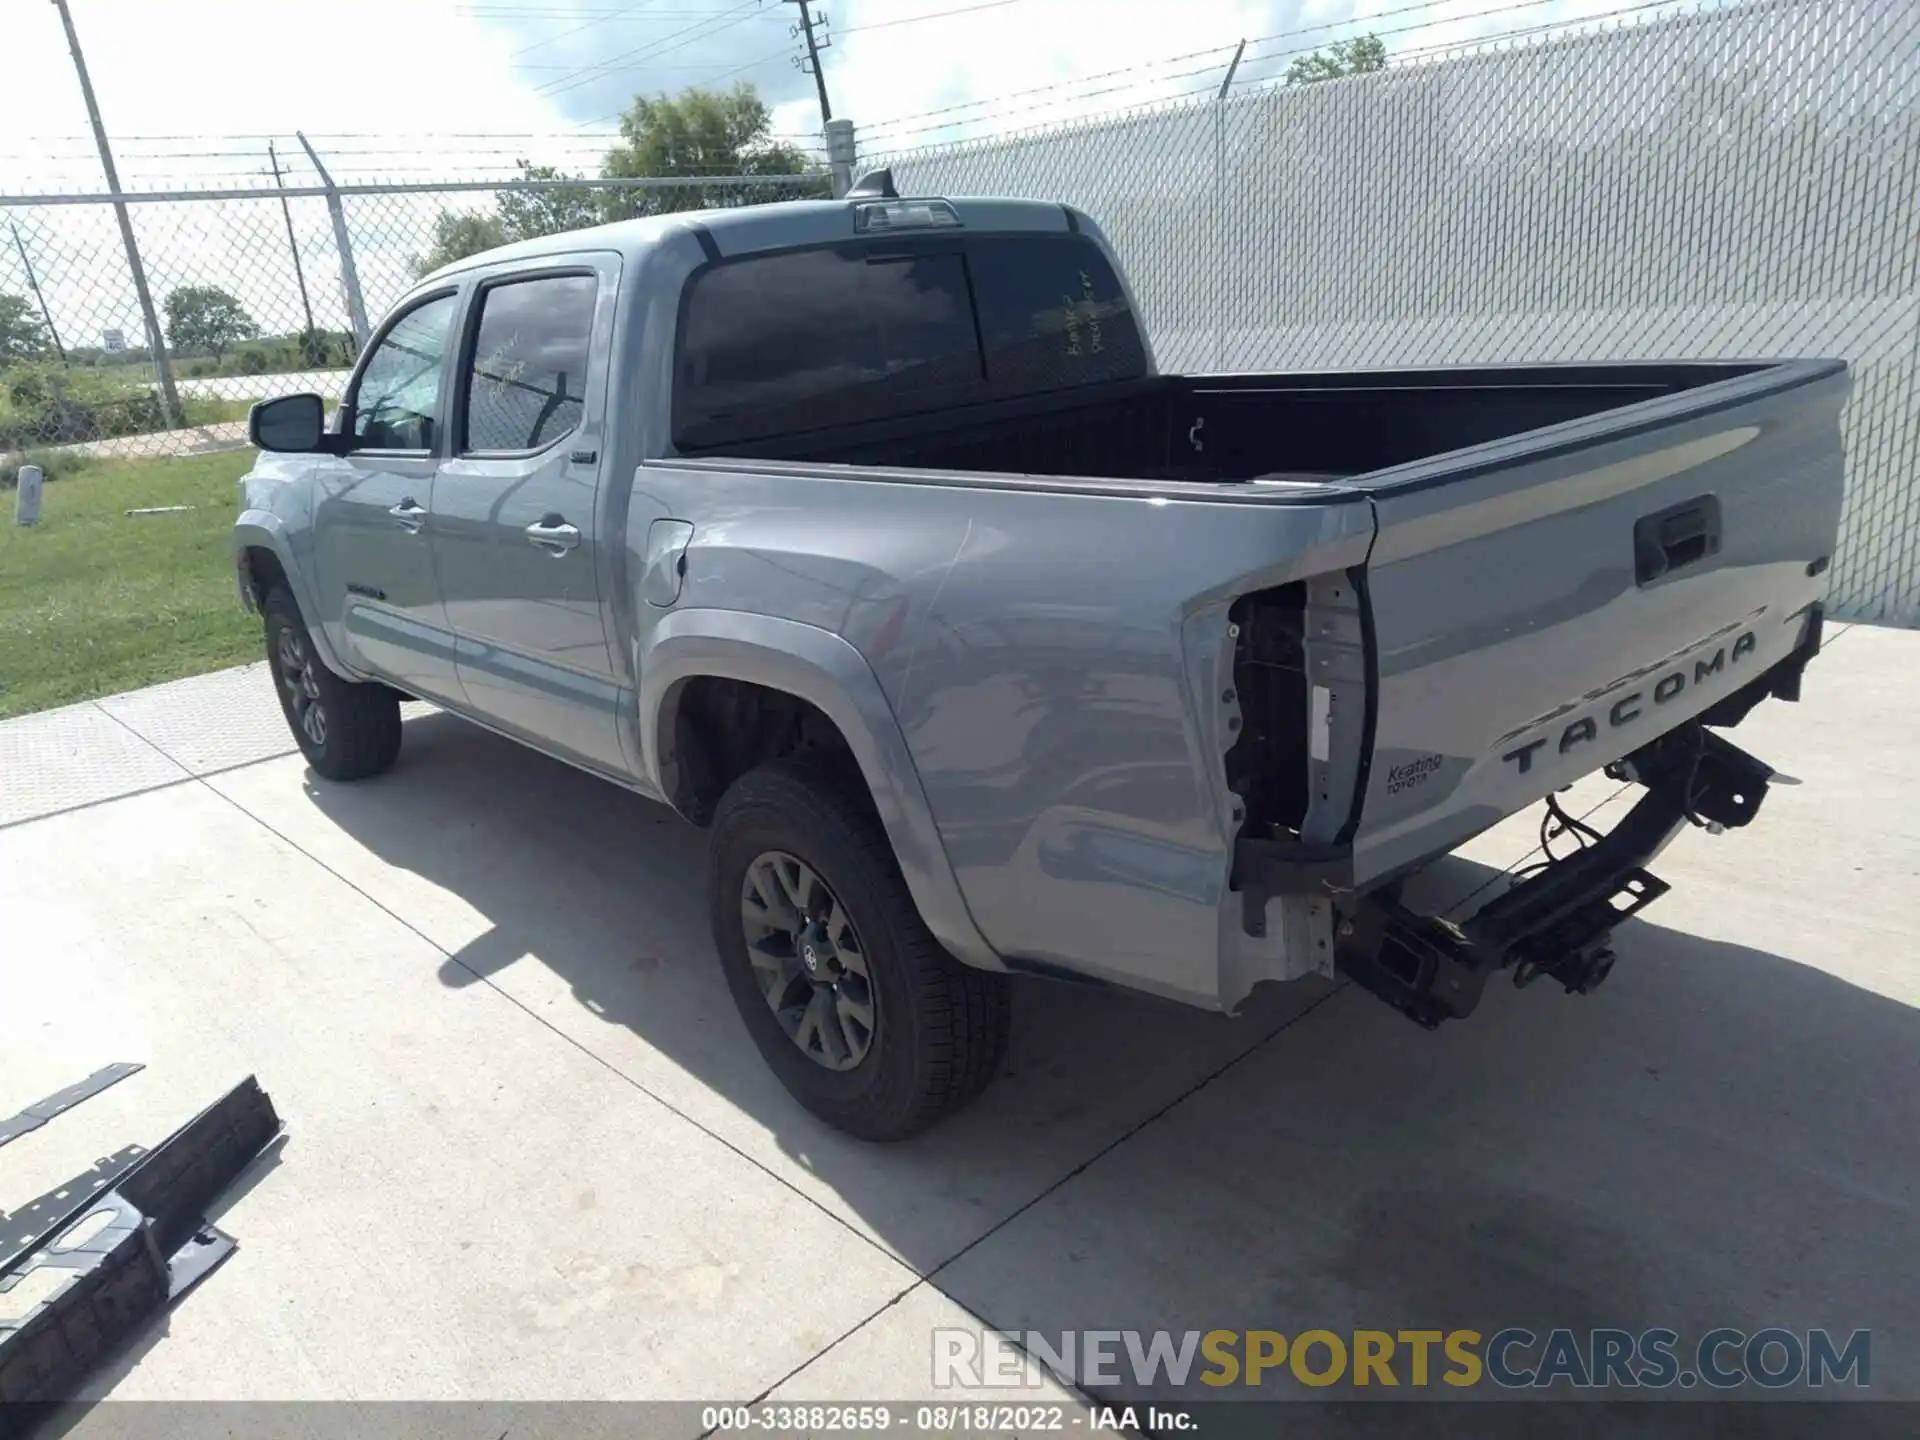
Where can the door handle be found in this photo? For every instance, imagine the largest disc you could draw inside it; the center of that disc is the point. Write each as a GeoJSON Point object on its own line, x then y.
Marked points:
{"type": "Point", "coordinates": [553, 535]}
{"type": "Point", "coordinates": [409, 515]}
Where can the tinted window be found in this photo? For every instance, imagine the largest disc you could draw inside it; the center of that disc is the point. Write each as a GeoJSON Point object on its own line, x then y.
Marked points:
{"type": "Point", "coordinates": [824, 337]}
{"type": "Point", "coordinates": [526, 384]}
{"type": "Point", "coordinates": [1052, 314]}
{"type": "Point", "coordinates": [821, 337]}
{"type": "Point", "coordinates": [399, 392]}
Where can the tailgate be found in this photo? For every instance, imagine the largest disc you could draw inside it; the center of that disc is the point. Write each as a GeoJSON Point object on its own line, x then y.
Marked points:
{"type": "Point", "coordinates": [1543, 605]}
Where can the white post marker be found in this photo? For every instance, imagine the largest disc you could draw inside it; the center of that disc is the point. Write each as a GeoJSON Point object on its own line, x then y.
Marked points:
{"type": "Point", "coordinates": [26, 498]}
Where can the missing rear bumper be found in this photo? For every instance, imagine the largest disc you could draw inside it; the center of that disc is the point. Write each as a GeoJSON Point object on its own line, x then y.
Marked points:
{"type": "Point", "coordinates": [1557, 921]}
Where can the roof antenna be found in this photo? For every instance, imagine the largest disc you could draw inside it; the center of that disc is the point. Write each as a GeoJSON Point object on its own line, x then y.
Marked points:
{"type": "Point", "coordinates": [874, 185]}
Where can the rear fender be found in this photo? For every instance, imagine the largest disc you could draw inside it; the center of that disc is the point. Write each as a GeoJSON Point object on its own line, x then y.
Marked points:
{"type": "Point", "coordinates": [821, 668]}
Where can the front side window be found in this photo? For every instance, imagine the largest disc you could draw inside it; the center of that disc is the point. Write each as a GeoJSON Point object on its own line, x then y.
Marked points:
{"type": "Point", "coordinates": [526, 383]}
{"type": "Point", "coordinates": [399, 394]}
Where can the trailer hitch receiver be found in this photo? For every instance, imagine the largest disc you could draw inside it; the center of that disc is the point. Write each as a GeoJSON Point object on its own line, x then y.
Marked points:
{"type": "Point", "coordinates": [1556, 922]}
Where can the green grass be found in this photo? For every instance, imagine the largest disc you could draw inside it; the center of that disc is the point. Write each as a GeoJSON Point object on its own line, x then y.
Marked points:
{"type": "Point", "coordinates": [93, 601]}
{"type": "Point", "coordinates": [198, 410]}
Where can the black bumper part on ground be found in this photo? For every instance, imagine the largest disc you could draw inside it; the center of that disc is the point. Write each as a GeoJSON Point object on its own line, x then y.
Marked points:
{"type": "Point", "coordinates": [1558, 920]}
{"type": "Point", "coordinates": [61, 1101]}
{"type": "Point", "coordinates": [117, 1258]}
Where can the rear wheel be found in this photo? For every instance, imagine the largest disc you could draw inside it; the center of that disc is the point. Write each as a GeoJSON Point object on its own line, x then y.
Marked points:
{"type": "Point", "coordinates": [866, 1020]}
{"type": "Point", "coordinates": [347, 731]}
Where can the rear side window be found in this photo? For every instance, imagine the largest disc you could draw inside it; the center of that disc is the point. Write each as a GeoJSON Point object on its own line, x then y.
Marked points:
{"type": "Point", "coordinates": [1052, 314]}
{"type": "Point", "coordinates": [527, 379]}
{"type": "Point", "coordinates": [807, 339]}
{"type": "Point", "coordinates": [821, 337]}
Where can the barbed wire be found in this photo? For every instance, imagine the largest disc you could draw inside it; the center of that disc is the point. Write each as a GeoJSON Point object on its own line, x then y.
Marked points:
{"type": "Point", "coordinates": [993, 108]}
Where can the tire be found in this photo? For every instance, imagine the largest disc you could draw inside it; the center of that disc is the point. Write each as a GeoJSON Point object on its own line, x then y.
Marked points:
{"type": "Point", "coordinates": [347, 731]}
{"type": "Point", "coordinates": [938, 1028]}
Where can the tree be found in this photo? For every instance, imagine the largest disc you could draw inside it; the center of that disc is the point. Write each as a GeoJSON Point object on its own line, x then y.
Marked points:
{"type": "Point", "coordinates": [206, 318]}
{"type": "Point", "coordinates": [22, 336]}
{"type": "Point", "coordinates": [703, 132]}
{"type": "Point", "coordinates": [525, 214]}
{"type": "Point", "coordinates": [699, 133]}
{"type": "Point", "coordinates": [457, 235]}
{"type": "Point", "coordinates": [1360, 56]}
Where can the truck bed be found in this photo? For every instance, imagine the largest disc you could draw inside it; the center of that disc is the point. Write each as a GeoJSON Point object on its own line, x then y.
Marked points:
{"type": "Point", "coordinates": [1561, 564]}
{"type": "Point", "coordinates": [1241, 427]}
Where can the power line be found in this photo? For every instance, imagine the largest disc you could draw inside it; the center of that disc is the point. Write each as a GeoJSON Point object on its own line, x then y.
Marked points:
{"type": "Point", "coordinates": [605, 12]}
{"type": "Point", "coordinates": [781, 54]}
{"type": "Point", "coordinates": [936, 15]}
{"type": "Point", "coordinates": [587, 74]}
{"type": "Point", "coordinates": [850, 30]}
{"type": "Point", "coordinates": [642, 65]}
{"type": "Point", "coordinates": [584, 25]}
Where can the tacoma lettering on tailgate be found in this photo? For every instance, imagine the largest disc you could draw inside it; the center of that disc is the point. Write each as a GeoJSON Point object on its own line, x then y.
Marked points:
{"type": "Point", "coordinates": [1634, 706]}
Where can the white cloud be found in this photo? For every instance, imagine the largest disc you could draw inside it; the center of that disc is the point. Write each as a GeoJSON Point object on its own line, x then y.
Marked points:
{"type": "Point", "coordinates": [400, 88]}
{"type": "Point", "coordinates": [450, 89]}
{"type": "Point", "coordinates": [402, 70]}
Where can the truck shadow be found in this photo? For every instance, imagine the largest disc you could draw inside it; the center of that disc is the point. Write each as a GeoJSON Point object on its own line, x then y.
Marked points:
{"type": "Point", "coordinates": [1720, 1136]}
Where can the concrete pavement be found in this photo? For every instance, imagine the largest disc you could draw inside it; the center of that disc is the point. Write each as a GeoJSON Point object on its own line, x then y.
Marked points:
{"type": "Point", "coordinates": [530, 1147]}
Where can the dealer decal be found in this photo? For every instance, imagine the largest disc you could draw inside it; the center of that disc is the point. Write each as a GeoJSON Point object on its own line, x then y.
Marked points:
{"type": "Point", "coordinates": [1414, 772]}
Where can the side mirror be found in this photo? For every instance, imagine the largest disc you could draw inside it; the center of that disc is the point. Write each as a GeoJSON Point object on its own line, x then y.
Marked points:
{"type": "Point", "coordinates": [292, 424]}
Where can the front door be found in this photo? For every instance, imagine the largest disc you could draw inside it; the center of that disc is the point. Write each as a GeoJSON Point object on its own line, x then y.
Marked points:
{"type": "Point", "coordinates": [516, 537]}
{"type": "Point", "coordinates": [373, 554]}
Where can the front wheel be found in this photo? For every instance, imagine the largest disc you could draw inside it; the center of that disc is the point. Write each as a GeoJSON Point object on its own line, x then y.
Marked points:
{"type": "Point", "coordinates": [347, 731]}
{"type": "Point", "coordinates": [866, 1020]}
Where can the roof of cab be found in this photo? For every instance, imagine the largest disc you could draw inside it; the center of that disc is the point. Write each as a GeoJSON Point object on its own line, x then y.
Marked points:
{"type": "Point", "coordinates": [744, 229]}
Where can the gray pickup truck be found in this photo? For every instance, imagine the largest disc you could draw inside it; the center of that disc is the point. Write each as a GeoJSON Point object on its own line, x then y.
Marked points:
{"type": "Point", "coordinates": [866, 534]}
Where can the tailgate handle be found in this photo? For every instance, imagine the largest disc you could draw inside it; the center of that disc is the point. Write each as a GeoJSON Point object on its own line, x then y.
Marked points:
{"type": "Point", "coordinates": [1675, 538]}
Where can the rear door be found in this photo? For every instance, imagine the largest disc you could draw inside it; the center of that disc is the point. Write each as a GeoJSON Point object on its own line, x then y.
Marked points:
{"type": "Point", "coordinates": [1542, 606]}
{"type": "Point", "coordinates": [373, 554]}
{"type": "Point", "coordinates": [516, 531]}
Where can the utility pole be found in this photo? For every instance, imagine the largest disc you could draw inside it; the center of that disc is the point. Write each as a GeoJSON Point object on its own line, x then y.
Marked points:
{"type": "Point", "coordinates": [811, 61]}
{"type": "Point", "coordinates": [33, 284]}
{"type": "Point", "coordinates": [309, 340]}
{"type": "Point", "coordinates": [156, 342]}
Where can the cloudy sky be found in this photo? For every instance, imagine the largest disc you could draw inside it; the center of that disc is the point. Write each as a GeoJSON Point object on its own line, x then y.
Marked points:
{"type": "Point", "coordinates": [192, 90]}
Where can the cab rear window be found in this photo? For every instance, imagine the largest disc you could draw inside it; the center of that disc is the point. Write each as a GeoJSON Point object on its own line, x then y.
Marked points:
{"type": "Point", "coordinates": [804, 340]}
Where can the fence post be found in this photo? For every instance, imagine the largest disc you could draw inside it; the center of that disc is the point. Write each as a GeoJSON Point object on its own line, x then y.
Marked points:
{"type": "Point", "coordinates": [841, 155]}
{"type": "Point", "coordinates": [33, 284]}
{"type": "Point", "coordinates": [342, 242]}
{"type": "Point", "coordinates": [1219, 266]}
{"type": "Point", "coordinates": [156, 342]}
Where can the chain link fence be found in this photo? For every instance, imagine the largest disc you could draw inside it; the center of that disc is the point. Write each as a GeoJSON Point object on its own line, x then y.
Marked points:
{"type": "Point", "coordinates": [1735, 183]}
{"type": "Point", "coordinates": [1738, 182]}
{"type": "Point", "coordinates": [255, 293]}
